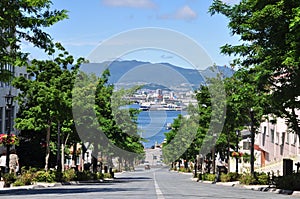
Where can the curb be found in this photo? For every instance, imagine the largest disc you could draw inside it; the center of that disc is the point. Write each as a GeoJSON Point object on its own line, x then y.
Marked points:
{"type": "Point", "coordinates": [263, 188]}
{"type": "Point", "coordinates": [40, 185]}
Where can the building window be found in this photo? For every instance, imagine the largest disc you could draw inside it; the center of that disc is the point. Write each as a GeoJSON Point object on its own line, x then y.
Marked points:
{"type": "Point", "coordinates": [264, 136]}
{"type": "Point", "coordinates": [282, 138]}
{"type": "Point", "coordinates": [12, 112]}
{"type": "Point", "coordinates": [288, 137]}
{"type": "Point", "coordinates": [295, 138]}
{"type": "Point", "coordinates": [272, 135]}
{"type": "Point", "coordinates": [277, 138]}
{"type": "Point", "coordinates": [246, 145]}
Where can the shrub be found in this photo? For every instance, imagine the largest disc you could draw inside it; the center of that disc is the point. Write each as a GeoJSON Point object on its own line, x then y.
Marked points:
{"type": "Point", "coordinates": [262, 178]}
{"type": "Point", "coordinates": [209, 176]}
{"type": "Point", "coordinates": [9, 178]}
{"type": "Point", "coordinates": [229, 177]}
{"type": "Point", "coordinates": [107, 175]}
{"type": "Point", "coordinates": [289, 182]}
{"type": "Point", "coordinates": [234, 176]}
{"type": "Point", "coordinates": [18, 182]}
{"type": "Point", "coordinates": [45, 176]}
{"type": "Point", "coordinates": [26, 178]}
{"type": "Point", "coordinates": [86, 175]}
{"type": "Point", "coordinates": [247, 179]}
{"type": "Point", "coordinates": [100, 175]}
{"type": "Point", "coordinates": [225, 177]}
{"type": "Point", "coordinates": [182, 169]}
{"type": "Point", "coordinates": [69, 175]}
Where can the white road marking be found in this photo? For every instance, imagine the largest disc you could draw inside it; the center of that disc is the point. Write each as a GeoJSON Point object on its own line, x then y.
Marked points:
{"type": "Point", "coordinates": [157, 189]}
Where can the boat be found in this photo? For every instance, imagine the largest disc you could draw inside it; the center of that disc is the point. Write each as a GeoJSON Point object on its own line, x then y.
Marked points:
{"type": "Point", "coordinates": [145, 106]}
{"type": "Point", "coordinates": [172, 107]}
{"type": "Point", "coordinates": [168, 126]}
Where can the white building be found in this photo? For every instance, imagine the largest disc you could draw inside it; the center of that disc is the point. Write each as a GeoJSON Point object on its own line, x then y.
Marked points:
{"type": "Point", "coordinates": [274, 142]}
{"type": "Point", "coordinates": [5, 88]}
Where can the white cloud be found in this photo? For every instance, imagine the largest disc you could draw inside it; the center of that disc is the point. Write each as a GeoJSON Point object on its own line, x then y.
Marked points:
{"type": "Point", "coordinates": [130, 3]}
{"type": "Point", "coordinates": [184, 13]}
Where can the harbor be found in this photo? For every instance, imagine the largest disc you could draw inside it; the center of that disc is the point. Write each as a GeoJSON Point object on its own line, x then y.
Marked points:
{"type": "Point", "coordinates": [153, 125]}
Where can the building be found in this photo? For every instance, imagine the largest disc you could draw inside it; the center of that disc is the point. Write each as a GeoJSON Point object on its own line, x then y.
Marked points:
{"type": "Point", "coordinates": [5, 88]}
{"type": "Point", "coordinates": [274, 142]}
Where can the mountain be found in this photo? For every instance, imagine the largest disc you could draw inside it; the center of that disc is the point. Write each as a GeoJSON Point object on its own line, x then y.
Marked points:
{"type": "Point", "coordinates": [129, 72]}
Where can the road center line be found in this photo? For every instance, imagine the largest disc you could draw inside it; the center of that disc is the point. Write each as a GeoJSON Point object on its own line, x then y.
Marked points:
{"type": "Point", "coordinates": [157, 189]}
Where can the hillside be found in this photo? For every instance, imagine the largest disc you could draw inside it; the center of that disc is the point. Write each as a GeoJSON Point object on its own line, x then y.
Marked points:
{"type": "Point", "coordinates": [165, 74]}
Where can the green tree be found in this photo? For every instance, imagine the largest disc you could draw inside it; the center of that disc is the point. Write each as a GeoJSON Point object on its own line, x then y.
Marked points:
{"type": "Point", "coordinates": [45, 99]}
{"type": "Point", "coordinates": [268, 52]}
{"type": "Point", "coordinates": [24, 21]}
{"type": "Point", "coordinates": [101, 118]}
{"type": "Point", "coordinates": [198, 132]}
{"type": "Point", "coordinates": [118, 124]}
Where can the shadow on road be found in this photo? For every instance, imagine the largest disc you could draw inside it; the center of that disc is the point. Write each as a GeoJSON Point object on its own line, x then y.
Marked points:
{"type": "Point", "coordinates": [78, 188]}
{"type": "Point", "coordinates": [65, 191]}
{"type": "Point", "coordinates": [130, 179]}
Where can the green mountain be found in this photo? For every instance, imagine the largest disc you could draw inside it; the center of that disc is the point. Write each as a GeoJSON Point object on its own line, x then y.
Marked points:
{"type": "Point", "coordinates": [163, 74]}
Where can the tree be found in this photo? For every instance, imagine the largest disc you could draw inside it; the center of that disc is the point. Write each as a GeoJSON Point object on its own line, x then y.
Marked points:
{"type": "Point", "coordinates": [198, 133]}
{"type": "Point", "coordinates": [45, 99]}
{"type": "Point", "coordinates": [101, 118]}
{"type": "Point", "coordinates": [23, 21]}
{"type": "Point", "coordinates": [269, 51]}
{"type": "Point", "coordinates": [119, 127]}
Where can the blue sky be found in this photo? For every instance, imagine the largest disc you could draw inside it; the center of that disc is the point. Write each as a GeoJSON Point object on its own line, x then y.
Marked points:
{"type": "Point", "coordinates": [93, 21]}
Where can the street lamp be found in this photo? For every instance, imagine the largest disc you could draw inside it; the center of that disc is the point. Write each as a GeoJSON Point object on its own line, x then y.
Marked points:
{"type": "Point", "coordinates": [252, 142]}
{"type": "Point", "coordinates": [237, 150]}
{"type": "Point", "coordinates": [9, 98]}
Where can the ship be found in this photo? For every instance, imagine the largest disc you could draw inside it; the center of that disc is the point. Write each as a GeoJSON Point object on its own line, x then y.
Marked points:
{"type": "Point", "coordinates": [159, 107]}
{"type": "Point", "coordinates": [145, 106]}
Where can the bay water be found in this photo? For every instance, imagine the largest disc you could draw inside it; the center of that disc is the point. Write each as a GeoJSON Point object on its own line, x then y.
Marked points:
{"type": "Point", "coordinates": [152, 125]}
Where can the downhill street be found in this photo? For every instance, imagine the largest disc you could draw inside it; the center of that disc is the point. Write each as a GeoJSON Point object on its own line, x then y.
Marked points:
{"type": "Point", "coordinates": [154, 183]}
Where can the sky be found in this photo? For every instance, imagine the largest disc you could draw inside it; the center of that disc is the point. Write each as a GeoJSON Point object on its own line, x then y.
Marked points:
{"type": "Point", "coordinates": [94, 21]}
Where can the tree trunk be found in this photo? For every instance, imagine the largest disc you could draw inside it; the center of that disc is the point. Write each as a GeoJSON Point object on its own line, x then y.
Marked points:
{"type": "Point", "coordinates": [213, 159]}
{"type": "Point", "coordinates": [74, 156]}
{"type": "Point", "coordinates": [84, 149]}
{"type": "Point", "coordinates": [48, 146]}
{"type": "Point", "coordinates": [94, 163]}
{"type": "Point", "coordinates": [58, 163]}
{"type": "Point", "coordinates": [63, 144]}
{"type": "Point", "coordinates": [228, 152]}
{"type": "Point", "coordinates": [62, 157]}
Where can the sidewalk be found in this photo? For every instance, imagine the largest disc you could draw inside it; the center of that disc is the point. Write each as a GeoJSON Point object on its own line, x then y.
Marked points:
{"type": "Point", "coordinates": [38, 185]}
{"type": "Point", "coordinates": [264, 188]}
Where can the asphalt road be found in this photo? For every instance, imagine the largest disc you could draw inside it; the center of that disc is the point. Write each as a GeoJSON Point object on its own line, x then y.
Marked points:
{"type": "Point", "coordinates": [142, 184]}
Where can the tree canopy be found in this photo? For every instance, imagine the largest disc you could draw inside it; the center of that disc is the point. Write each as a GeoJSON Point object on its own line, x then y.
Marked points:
{"type": "Point", "coordinates": [268, 51]}
{"type": "Point", "coordinates": [46, 98]}
{"type": "Point", "coordinates": [23, 21]}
